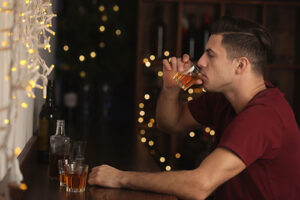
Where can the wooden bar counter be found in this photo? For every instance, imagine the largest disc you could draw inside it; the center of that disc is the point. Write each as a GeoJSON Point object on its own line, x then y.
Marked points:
{"type": "Point", "coordinates": [105, 145]}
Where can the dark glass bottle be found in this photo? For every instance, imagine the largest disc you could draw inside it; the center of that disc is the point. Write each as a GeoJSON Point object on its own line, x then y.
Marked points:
{"type": "Point", "coordinates": [47, 123]}
{"type": "Point", "coordinates": [158, 33]}
{"type": "Point", "coordinates": [59, 148]}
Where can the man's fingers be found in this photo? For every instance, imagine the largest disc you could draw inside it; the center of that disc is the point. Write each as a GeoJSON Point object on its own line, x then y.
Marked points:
{"type": "Point", "coordinates": [180, 64]}
{"type": "Point", "coordinates": [174, 64]}
{"type": "Point", "coordinates": [91, 181]}
{"type": "Point", "coordinates": [167, 65]}
{"type": "Point", "coordinates": [92, 174]}
{"type": "Point", "coordinates": [93, 171]}
{"type": "Point", "coordinates": [186, 61]}
{"type": "Point", "coordinates": [199, 81]}
{"type": "Point", "coordinates": [177, 64]}
{"type": "Point", "coordinates": [185, 58]}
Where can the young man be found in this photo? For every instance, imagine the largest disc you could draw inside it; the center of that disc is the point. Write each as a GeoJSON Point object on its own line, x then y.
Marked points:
{"type": "Point", "coordinates": [257, 154]}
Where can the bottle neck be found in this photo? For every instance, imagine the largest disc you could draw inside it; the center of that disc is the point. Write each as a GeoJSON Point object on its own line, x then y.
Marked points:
{"type": "Point", "coordinates": [50, 93]}
{"type": "Point", "coordinates": [50, 102]}
{"type": "Point", "coordinates": [60, 128]}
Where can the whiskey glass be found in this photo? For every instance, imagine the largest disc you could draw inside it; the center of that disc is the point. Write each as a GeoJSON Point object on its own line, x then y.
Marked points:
{"type": "Point", "coordinates": [187, 78]}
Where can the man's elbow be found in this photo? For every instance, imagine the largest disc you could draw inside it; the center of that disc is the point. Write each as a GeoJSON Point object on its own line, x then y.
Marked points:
{"type": "Point", "coordinates": [202, 192]}
{"type": "Point", "coordinates": [168, 129]}
{"type": "Point", "coordinates": [199, 198]}
{"type": "Point", "coordinates": [197, 195]}
{"type": "Point", "coordinates": [202, 189]}
{"type": "Point", "coordinates": [202, 196]}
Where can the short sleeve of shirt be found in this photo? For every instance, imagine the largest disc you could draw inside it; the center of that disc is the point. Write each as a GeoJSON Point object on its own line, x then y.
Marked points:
{"type": "Point", "coordinates": [255, 133]}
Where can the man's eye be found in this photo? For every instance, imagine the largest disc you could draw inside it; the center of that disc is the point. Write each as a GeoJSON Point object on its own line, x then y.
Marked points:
{"type": "Point", "coordinates": [209, 55]}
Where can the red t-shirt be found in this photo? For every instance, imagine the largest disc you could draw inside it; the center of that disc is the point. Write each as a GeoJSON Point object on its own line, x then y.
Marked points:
{"type": "Point", "coordinates": [264, 135]}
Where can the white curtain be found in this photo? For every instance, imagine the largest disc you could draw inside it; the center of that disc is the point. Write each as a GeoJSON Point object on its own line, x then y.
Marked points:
{"type": "Point", "coordinates": [24, 120]}
{"type": "Point", "coordinates": [22, 128]}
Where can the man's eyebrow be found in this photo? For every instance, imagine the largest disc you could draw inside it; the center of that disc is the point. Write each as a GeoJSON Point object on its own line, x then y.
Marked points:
{"type": "Point", "coordinates": [209, 50]}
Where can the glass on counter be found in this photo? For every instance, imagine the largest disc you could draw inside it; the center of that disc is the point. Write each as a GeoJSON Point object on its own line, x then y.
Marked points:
{"type": "Point", "coordinates": [61, 171]}
{"type": "Point", "coordinates": [76, 176]}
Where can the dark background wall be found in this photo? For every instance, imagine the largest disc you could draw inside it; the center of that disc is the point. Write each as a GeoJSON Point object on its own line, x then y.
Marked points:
{"type": "Point", "coordinates": [101, 88]}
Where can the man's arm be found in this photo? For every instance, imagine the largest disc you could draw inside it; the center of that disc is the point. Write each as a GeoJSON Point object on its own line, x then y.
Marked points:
{"type": "Point", "coordinates": [171, 114]}
{"type": "Point", "coordinates": [218, 167]}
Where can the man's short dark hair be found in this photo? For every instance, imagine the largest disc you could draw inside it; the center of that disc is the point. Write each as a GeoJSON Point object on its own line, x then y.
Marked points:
{"type": "Point", "coordinates": [243, 37]}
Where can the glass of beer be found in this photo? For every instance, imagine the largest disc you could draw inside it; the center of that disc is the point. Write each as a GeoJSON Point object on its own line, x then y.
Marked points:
{"type": "Point", "coordinates": [61, 171]}
{"type": "Point", "coordinates": [76, 175]}
{"type": "Point", "coordinates": [187, 78]}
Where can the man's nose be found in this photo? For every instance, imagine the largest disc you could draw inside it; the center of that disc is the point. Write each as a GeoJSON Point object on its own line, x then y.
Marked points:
{"type": "Point", "coordinates": [201, 61]}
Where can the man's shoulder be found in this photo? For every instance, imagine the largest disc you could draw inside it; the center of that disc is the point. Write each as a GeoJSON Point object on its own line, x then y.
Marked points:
{"type": "Point", "coordinates": [270, 97]}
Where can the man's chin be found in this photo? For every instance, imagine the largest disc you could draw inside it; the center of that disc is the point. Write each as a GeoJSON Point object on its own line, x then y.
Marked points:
{"type": "Point", "coordinates": [207, 88]}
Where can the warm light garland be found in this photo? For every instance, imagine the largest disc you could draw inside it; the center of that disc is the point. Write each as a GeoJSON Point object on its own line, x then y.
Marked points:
{"type": "Point", "coordinates": [31, 20]}
{"type": "Point", "coordinates": [141, 119]}
{"type": "Point", "coordinates": [24, 31]}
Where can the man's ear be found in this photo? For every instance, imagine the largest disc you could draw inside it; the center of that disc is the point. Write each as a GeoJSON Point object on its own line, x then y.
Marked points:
{"type": "Point", "coordinates": [242, 64]}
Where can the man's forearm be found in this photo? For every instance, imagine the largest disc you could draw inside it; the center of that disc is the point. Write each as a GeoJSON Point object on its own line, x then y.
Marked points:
{"type": "Point", "coordinates": [217, 168]}
{"type": "Point", "coordinates": [168, 110]}
{"type": "Point", "coordinates": [183, 184]}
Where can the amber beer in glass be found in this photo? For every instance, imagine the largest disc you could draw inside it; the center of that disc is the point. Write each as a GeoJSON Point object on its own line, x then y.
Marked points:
{"type": "Point", "coordinates": [61, 170]}
{"type": "Point", "coordinates": [53, 166]}
{"type": "Point", "coordinates": [187, 78]}
{"type": "Point", "coordinates": [75, 176]}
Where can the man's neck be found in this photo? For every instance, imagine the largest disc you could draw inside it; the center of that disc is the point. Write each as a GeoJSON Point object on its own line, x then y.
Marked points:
{"type": "Point", "coordinates": [240, 96]}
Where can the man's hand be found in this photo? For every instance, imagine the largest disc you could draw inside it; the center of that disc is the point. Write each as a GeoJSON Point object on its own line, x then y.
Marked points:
{"type": "Point", "coordinates": [172, 115]}
{"type": "Point", "coordinates": [171, 68]}
{"type": "Point", "coordinates": [106, 176]}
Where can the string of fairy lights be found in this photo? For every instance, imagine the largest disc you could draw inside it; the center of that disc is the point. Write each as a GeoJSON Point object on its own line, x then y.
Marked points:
{"type": "Point", "coordinates": [146, 127]}
{"type": "Point", "coordinates": [25, 29]}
